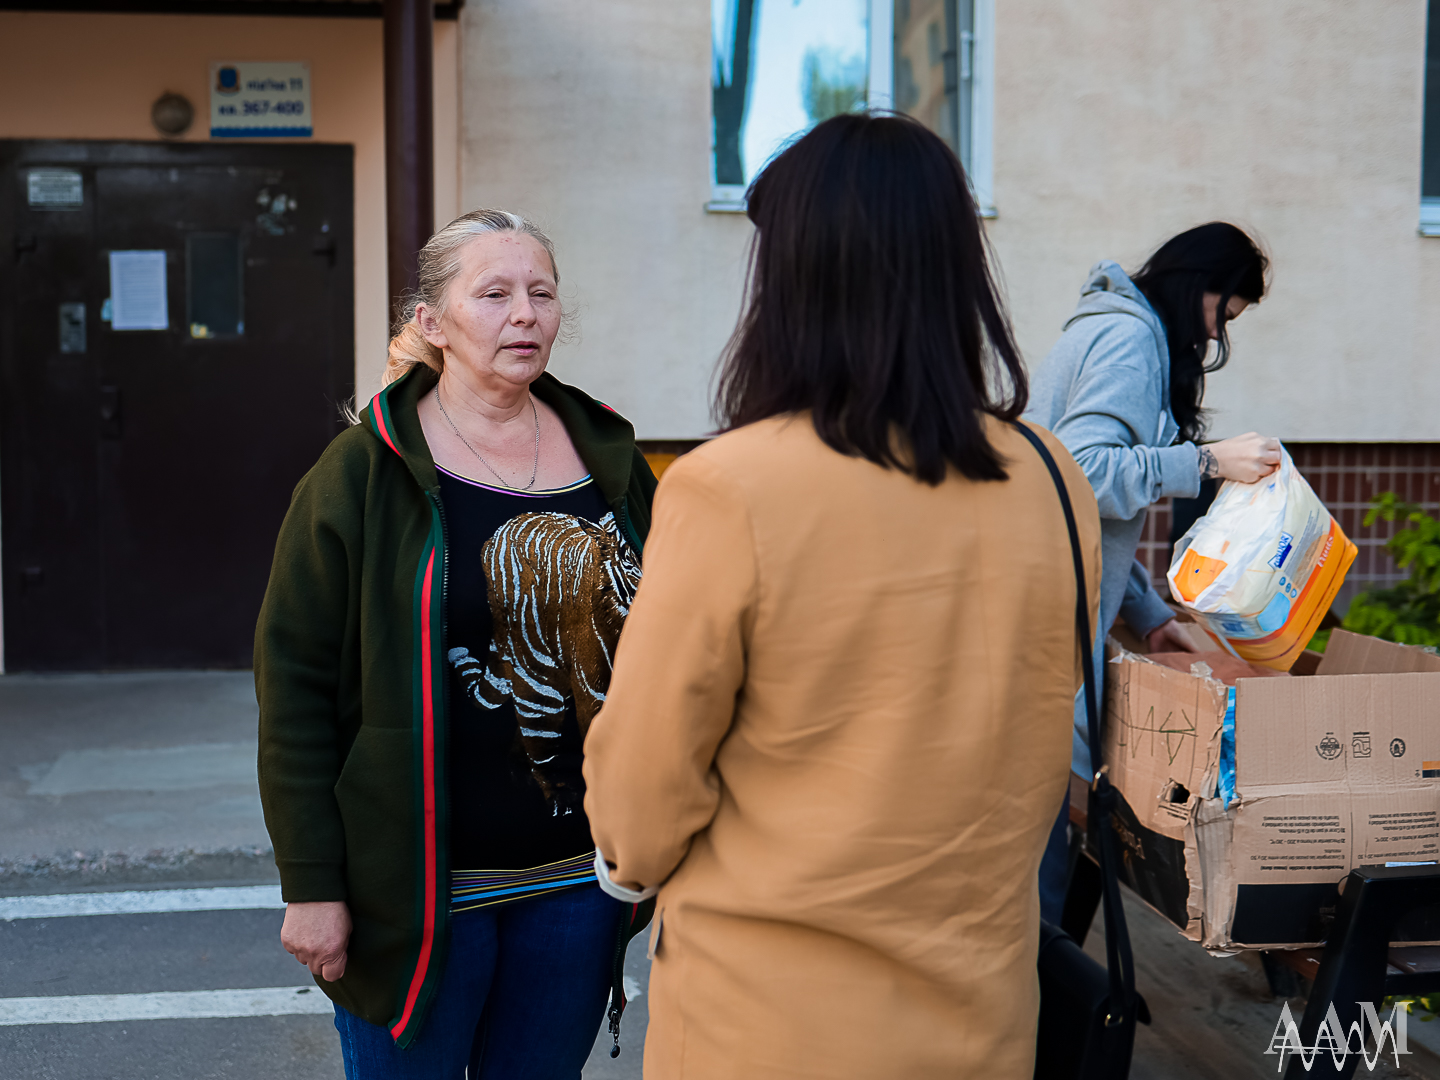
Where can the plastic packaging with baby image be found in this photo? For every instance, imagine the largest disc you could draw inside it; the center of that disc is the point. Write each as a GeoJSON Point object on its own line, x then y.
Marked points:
{"type": "Point", "coordinates": [1260, 570]}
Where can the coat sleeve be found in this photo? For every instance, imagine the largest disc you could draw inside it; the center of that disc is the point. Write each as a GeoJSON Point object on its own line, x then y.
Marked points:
{"type": "Point", "coordinates": [1112, 415]}
{"type": "Point", "coordinates": [304, 623]}
{"type": "Point", "coordinates": [650, 776]}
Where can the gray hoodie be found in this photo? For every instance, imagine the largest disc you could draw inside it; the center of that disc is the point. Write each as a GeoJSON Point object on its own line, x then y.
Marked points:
{"type": "Point", "coordinates": [1104, 390]}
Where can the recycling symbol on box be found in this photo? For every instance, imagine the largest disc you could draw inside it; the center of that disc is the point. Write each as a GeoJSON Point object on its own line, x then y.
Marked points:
{"type": "Point", "coordinates": [1329, 747]}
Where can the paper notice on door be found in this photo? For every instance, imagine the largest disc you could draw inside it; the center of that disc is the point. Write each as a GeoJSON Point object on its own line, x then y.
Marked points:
{"type": "Point", "coordinates": [137, 291]}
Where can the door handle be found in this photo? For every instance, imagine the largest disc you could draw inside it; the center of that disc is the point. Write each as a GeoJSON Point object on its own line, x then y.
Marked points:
{"type": "Point", "coordinates": [110, 412]}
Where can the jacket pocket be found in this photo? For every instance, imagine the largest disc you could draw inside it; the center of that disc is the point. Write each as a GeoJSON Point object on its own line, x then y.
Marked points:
{"type": "Point", "coordinates": [377, 799]}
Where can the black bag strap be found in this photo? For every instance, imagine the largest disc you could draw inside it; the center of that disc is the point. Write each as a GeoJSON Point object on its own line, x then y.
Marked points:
{"type": "Point", "coordinates": [1103, 797]}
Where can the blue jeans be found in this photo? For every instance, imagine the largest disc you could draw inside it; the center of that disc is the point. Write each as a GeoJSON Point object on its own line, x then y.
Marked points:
{"type": "Point", "coordinates": [1055, 867]}
{"type": "Point", "coordinates": [523, 995]}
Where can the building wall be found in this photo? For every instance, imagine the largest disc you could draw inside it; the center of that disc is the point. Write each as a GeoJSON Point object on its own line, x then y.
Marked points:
{"type": "Point", "coordinates": [1119, 123]}
{"type": "Point", "coordinates": [89, 76]}
{"type": "Point", "coordinates": [594, 119]}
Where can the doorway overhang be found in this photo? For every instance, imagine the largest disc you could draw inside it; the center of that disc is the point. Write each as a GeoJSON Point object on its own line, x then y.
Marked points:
{"type": "Point", "coordinates": [308, 9]}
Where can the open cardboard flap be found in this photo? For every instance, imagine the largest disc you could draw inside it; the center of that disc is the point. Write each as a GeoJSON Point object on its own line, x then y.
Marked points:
{"type": "Point", "coordinates": [1331, 771]}
{"type": "Point", "coordinates": [1356, 654]}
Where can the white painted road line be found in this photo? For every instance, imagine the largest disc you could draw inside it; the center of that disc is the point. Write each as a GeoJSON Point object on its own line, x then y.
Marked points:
{"type": "Point", "coordinates": [238, 898]}
{"type": "Point", "coordinates": [192, 1005]}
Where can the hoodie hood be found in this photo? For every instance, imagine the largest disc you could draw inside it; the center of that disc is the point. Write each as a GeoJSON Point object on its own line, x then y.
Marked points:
{"type": "Point", "coordinates": [1108, 290]}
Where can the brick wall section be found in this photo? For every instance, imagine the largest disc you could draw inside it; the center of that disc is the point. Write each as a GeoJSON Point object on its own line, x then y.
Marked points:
{"type": "Point", "coordinates": [1345, 476]}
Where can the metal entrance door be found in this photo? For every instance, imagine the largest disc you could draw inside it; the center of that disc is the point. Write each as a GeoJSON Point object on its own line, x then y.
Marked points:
{"type": "Point", "coordinates": [176, 333]}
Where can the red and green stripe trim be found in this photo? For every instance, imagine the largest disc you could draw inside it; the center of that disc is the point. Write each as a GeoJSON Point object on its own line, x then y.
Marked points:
{"type": "Point", "coordinates": [428, 752]}
{"type": "Point", "coordinates": [380, 418]}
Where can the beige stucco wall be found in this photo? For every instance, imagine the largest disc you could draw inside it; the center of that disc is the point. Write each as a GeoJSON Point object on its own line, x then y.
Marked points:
{"type": "Point", "coordinates": [1121, 122]}
{"type": "Point", "coordinates": [87, 76]}
{"type": "Point", "coordinates": [1117, 123]}
{"type": "Point", "coordinates": [595, 120]}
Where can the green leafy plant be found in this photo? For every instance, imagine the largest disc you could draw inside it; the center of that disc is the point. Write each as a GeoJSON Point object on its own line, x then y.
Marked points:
{"type": "Point", "coordinates": [1410, 611]}
{"type": "Point", "coordinates": [1424, 1007]}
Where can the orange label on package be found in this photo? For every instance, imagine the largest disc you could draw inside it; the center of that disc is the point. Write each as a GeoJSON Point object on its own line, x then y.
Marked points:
{"type": "Point", "coordinates": [1262, 567]}
{"type": "Point", "coordinates": [1196, 574]}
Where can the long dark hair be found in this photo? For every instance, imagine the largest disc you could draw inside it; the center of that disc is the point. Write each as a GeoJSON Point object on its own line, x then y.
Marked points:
{"type": "Point", "coordinates": [870, 303]}
{"type": "Point", "coordinates": [1213, 258]}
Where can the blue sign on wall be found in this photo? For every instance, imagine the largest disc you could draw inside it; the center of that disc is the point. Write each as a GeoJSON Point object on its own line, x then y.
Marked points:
{"type": "Point", "coordinates": [260, 100]}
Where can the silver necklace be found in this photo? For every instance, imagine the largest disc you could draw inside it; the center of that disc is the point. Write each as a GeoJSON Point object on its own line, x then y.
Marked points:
{"type": "Point", "coordinates": [534, 471]}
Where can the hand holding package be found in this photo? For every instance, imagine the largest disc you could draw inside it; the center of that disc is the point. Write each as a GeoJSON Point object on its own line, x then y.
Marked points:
{"type": "Point", "coordinates": [1260, 570]}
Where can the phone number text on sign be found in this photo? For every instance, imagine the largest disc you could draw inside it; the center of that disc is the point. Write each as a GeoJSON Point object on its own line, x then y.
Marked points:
{"type": "Point", "coordinates": [264, 108]}
{"type": "Point", "coordinates": [260, 100]}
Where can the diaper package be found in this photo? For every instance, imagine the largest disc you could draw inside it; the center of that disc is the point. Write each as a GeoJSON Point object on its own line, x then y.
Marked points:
{"type": "Point", "coordinates": [1260, 570]}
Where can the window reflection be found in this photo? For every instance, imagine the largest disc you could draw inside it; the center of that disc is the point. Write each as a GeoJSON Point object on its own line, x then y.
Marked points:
{"type": "Point", "coordinates": [780, 67]}
{"type": "Point", "coordinates": [213, 295]}
{"type": "Point", "coordinates": [934, 68]}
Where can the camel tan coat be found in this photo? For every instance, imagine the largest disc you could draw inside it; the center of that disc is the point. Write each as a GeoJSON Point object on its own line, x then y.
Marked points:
{"type": "Point", "coordinates": [838, 732]}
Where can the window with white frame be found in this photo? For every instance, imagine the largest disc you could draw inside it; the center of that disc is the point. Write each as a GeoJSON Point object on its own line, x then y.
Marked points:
{"type": "Point", "coordinates": [1430, 152]}
{"type": "Point", "coordinates": [781, 66]}
{"type": "Point", "coordinates": [942, 76]}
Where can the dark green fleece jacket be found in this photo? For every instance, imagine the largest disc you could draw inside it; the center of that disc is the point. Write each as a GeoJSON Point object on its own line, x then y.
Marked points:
{"type": "Point", "coordinates": [350, 675]}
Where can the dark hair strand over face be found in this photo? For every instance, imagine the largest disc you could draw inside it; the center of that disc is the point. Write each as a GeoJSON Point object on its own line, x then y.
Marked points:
{"type": "Point", "coordinates": [871, 304]}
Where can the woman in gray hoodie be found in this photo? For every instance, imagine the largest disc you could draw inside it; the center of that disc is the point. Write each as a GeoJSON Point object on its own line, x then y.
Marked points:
{"type": "Point", "coordinates": [1122, 389]}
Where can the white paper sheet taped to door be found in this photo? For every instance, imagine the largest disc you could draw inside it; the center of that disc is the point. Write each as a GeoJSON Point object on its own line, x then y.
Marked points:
{"type": "Point", "coordinates": [137, 291]}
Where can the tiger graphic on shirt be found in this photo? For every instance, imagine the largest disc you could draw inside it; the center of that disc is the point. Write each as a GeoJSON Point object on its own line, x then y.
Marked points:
{"type": "Point", "coordinates": [560, 587]}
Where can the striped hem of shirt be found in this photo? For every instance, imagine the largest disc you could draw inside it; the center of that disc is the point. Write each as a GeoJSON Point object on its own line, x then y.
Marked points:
{"type": "Point", "coordinates": [470, 889]}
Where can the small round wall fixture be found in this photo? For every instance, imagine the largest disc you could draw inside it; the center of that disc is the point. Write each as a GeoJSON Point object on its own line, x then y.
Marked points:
{"type": "Point", "coordinates": [172, 114]}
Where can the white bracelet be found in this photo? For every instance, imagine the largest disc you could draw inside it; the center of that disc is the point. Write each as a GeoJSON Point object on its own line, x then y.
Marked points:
{"type": "Point", "coordinates": [619, 892]}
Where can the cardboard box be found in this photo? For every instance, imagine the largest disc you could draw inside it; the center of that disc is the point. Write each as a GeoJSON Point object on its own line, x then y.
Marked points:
{"type": "Point", "coordinates": [1332, 770]}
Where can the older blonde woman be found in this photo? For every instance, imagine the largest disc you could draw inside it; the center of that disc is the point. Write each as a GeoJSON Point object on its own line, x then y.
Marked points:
{"type": "Point", "coordinates": [419, 753]}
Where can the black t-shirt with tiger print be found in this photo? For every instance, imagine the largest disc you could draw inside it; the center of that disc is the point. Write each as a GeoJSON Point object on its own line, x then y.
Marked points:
{"type": "Point", "coordinates": [539, 584]}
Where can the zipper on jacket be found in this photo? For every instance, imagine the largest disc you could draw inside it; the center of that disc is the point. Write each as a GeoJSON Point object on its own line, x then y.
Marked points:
{"type": "Point", "coordinates": [444, 573]}
{"type": "Point", "coordinates": [622, 939]}
{"type": "Point", "coordinates": [445, 652]}
{"type": "Point", "coordinates": [617, 974]}
{"type": "Point", "coordinates": [629, 528]}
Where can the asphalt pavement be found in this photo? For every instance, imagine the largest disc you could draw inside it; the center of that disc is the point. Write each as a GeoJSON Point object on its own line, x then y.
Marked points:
{"type": "Point", "coordinates": [199, 995]}
{"type": "Point", "coordinates": [127, 779]}
{"type": "Point", "coordinates": [127, 802]}
{"type": "Point", "coordinates": [140, 913]}
{"type": "Point", "coordinates": [60, 960]}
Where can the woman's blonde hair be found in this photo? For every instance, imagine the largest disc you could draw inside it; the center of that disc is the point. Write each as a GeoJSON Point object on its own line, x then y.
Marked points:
{"type": "Point", "coordinates": [439, 264]}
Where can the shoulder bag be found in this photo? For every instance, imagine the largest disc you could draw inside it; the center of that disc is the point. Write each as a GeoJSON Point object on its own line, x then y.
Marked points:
{"type": "Point", "coordinates": [1088, 1013]}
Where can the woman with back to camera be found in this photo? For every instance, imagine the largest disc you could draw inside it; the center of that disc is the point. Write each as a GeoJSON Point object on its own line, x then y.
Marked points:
{"type": "Point", "coordinates": [839, 721]}
{"type": "Point", "coordinates": [1122, 389]}
{"type": "Point", "coordinates": [447, 591]}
